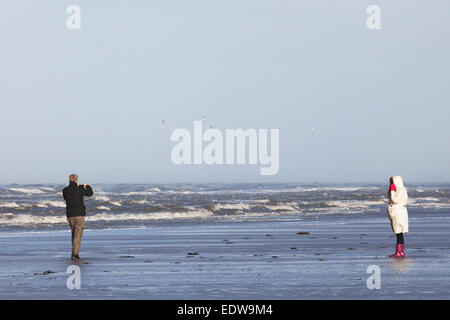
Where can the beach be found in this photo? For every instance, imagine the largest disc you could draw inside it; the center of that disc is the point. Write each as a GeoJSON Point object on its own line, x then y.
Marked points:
{"type": "Point", "coordinates": [224, 150]}
{"type": "Point", "coordinates": [265, 259]}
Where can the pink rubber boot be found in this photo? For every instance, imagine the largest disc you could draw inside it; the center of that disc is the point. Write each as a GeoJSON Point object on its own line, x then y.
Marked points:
{"type": "Point", "coordinates": [402, 250]}
{"type": "Point", "coordinates": [397, 253]}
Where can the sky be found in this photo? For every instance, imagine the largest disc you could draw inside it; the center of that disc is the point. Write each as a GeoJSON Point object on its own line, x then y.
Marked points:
{"type": "Point", "coordinates": [92, 101]}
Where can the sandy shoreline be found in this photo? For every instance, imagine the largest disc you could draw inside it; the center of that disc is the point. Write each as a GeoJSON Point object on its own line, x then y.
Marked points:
{"type": "Point", "coordinates": [254, 260]}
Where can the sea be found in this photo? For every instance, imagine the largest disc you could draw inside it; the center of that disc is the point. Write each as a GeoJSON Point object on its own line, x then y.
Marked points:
{"type": "Point", "coordinates": [31, 208]}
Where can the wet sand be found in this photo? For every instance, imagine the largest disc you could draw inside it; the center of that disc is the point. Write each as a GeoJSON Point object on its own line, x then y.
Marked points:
{"type": "Point", "coordinates": [253, 260]}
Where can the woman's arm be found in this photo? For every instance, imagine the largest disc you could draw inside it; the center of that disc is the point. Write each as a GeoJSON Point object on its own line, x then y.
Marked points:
{"type": "Point", "coordinates": [394, 197]}
{"type": "Point", "coordinates": [399, 197]}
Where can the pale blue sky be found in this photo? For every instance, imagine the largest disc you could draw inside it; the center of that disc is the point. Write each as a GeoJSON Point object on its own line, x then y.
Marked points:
{"type": "Point", "coordinates": [92, 101]}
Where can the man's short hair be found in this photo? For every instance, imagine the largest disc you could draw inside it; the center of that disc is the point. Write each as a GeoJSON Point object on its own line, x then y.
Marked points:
{"type": "Point", "coordinates": [73, 177]}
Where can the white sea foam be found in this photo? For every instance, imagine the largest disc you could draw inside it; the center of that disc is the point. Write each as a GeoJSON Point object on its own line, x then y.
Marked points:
{"type": "Point", "coordinates": [142, 202]}
{"type": "Point", "coordinates": [428, 202]}
{"type": "Point", "coordinates": [103, 208]}
{"type": "Point", "coordinates": [434, 205]}
{"type": "Point", "coordinates": [28, 219]}
{"type": "Point", "coordinates": [347, 189]}
{"type": "Point", "coordinates": [430, 199]}
{"type": "Point", "coordinates": [100, 198]}
{"type": "Point", "coordinates": [149, 191]}
{"type": "Point", "coordinates": [261, 200]}
{"type": "Point", "coordinates": [353, 204]}
{"type": "Point", "coordinates": [50, 189]}
{"type": "Point", "coordinates": [232, 206]}
{"type": "Point", "coordinates": [9, 205]}
{"type": "Point", "coordinates": [27, 190]}
{"type": "Point", "coordinates": [151, 216]}
{"type": "Point", "coordinates": [347, 207]}
{"type": "Point", "coordinates": [138, 193]}
{"type": "Point", "coordinates": [291, 206]}
{"type": "Point", "coordinates": [48, 203]}
{"type": "Point", "coordinates": [180, 192]}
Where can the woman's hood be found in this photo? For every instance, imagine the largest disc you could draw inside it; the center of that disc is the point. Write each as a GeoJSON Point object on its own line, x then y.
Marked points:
{"type": "Point", "coordinates": [398, 181]}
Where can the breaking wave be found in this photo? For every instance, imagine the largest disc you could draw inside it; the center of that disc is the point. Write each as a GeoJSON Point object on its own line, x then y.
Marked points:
{"type": "Point", "coordinates": [27, 190]}
{"type": "Point", "coordinates": [235, 206]}
{"type": "Point", "coordinates": [11, 219]}
{"type": "Point", "coordinates": [9, 205]}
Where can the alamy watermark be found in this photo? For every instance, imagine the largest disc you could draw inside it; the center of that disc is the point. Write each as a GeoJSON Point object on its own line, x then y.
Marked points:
{"type": "Point", "coordinates": [374, 281]}
{"type": "Point", "coordinates": [74, 280]}
{"type": "Point", "coordinates": [229, 148]}
{"type": "Point", "coordinates": [374, 20]}
{"type": "Point", "coordinates": [73, 21]}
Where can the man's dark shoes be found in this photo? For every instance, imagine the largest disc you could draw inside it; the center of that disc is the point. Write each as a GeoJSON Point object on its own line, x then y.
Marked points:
{"type": "Point", "coordinates": [75, 257]}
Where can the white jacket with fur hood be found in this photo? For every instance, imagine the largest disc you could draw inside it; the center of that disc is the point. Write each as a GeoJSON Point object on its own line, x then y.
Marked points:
{"type": "Point", "coordinates": [397, 207]}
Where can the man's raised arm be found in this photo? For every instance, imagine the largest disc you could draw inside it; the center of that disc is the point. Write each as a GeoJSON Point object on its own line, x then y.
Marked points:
{"type": "Point", "coordinates": [87, 191]}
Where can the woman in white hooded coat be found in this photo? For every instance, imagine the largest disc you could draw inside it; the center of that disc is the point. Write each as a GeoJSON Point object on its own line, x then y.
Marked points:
{"type": "Point", "coordinates": [398, 198]}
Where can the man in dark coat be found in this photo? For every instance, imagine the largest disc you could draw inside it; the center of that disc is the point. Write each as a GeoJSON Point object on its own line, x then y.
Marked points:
{"type": "Point", "coordinates": [76, 211]}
